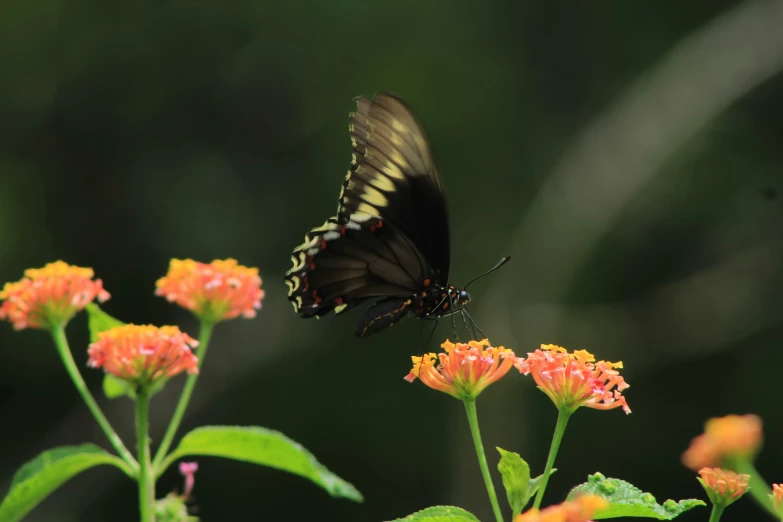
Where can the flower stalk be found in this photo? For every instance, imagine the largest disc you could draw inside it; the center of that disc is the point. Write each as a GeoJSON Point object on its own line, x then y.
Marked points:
{"type": "Point", "coordinates": [205, 333]}
{"type": "Point", "coordinates": [717, 512]}
{"type": "Point", "coordinates": [146, 476]}
{"type": "Point", "coordinates": [562, 421]}
{"type": "Point", "coordinates": [759, 489]}
{"type": "Point", "coordinates": [61, 343]}
{"type": "Point", "coordinates": [470, 410]}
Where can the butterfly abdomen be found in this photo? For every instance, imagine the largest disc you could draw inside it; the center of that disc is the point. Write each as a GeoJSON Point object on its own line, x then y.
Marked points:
{"type": "Point", "coordinates": [382, 315]}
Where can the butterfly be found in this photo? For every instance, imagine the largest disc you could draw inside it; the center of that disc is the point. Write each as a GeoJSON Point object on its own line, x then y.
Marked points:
{"type": "Point", "coordinates": [389, 241]}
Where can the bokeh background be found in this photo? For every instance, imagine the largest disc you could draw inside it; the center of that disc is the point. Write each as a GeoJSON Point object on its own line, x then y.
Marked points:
{"type": "Point", "coordinates": [629, 155]}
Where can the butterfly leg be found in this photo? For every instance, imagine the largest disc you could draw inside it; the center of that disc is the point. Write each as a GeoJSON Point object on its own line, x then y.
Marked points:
{"type": "Point", "coordinates": [465, 322]}
{"type": "Point", "coordinates": [453, 324]}
{"type": "Point", "coordinates": [473, 323]}
{"type": "Point", "coordinates": [436, 319]}
{"type": "Point", "coordinates": [471, 329]}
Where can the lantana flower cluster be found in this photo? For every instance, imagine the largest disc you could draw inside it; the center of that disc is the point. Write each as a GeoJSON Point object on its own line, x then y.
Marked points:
{"type": "Point", "coordinates": [574, 379]}
{"type": "Point", "coordinates": [724, 438]}
{"type": "Point", "coordinates": [464, 370]}
{"type": "Point", "coordinates": [579, 510]}
{"type": "Point", "coordinates": [213, 291]}
{"type": "Point", "coordinates": [50, 296]}
{"type": "Point", "coordinates": [143, 353]}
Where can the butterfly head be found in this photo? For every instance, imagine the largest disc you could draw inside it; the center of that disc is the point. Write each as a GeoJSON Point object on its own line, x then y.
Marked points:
{"type": "Point", "coordinates": [463, 298]}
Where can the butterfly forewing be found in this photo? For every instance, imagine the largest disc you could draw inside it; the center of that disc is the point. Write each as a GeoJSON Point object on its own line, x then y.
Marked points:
{"type": "Point", "coordinates": [393, 176]}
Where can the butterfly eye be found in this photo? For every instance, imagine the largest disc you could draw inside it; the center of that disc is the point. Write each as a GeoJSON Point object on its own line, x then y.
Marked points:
{"type": "Point", "coordinates": [464, 297]}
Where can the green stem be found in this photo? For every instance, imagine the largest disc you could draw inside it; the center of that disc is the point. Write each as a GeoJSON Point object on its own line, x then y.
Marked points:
{"type": "Point", "coordinates": [146, 477]}
{"type": "Point", "coordinates": [758, 489]}
{"type": "Point", "coordinates": [204, 334]}
{"type": "Point", "coordinates": [61, 342]}
{"type": "Point", "coordinates": [562, 420]}
{"type": "Point", "coordinates": [717, 511]}
{"type": "Point", "coordinates": [470, 409]}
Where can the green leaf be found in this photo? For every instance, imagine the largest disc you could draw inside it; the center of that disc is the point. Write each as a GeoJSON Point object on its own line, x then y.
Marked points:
{"type": "Point", "coordinates": [516, 479]}
{"type": "Point", "coordinates": [39, 477]}
{"type": "Point", "coordinates": [535, 483]}
{"type": "Point", "coordinates": [626, 500]}
{"type": "Point", "coordinates": [114, 387]}
{"type": "Point", "coordinates": [262, 446]}
{"type": "Point", "coordinates": [99, 321]}
{"type": "Point", "coordinates": [440, 514]}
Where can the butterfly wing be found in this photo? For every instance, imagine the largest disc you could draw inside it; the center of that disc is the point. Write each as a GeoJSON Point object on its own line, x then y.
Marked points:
{"type": "Point", "coordinates": [391, 228]}
{"type": "Point", "coordinates": [393, 176]}
{"type": "Point", "coordinates": [341, 265]}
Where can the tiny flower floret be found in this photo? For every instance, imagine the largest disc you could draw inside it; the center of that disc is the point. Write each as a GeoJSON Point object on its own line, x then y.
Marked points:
{"type": "Point", "coordinates": [574, 379]}
{"type": "Point", "coordinates": [777, 498]}
{"type": "Point", "coordinates": [723, 486]}
{"type": "Point", "coordinates": [580, 509]}
{"type": "Point", "coordinates": [724, 438]}
{"type": "Point", "coordinates": [222, 289]}
{"type": "Point", "coordinates": [143, 354]}
{"type": "Point", "coordinates": [188, 470]}
{"type": "Point", "coordinates": [464, 370]}
{"type": "Point", "coordinates": [49, 296]}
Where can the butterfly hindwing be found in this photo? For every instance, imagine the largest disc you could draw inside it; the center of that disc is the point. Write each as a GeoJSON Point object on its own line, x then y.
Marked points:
{"type": "Point", "coordinates": [341, 265]}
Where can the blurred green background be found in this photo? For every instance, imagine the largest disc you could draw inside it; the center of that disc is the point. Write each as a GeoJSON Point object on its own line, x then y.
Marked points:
{"type": "Point", "coordinates": [629, 155]}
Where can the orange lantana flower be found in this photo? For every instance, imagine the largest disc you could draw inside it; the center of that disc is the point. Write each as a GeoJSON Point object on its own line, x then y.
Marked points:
{"type": "Point", "coordinates": [213, 291]}
{"type": "Point", "coordinates": [143, 354]}
{"type": "Point", "coordinates": [49, 296]}
{"type": "Point", "coordinates": [578, 510]}
{"type": "Point", "coordinates": [724, 437]}
{"type": "Point", "coordinates": [464, 370]}
{"type": "Point", "coordinates": [723, 486]}
{"type": "Point", "coordinates": [574, 379]}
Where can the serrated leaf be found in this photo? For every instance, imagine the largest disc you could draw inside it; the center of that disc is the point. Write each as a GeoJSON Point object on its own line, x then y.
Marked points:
{"type": "Point", "coordinates": [99, 321]}
{"type": "Point", "coordinates": [440, 514]}
{"type": "Point", "coordinates": [39, 477]}
{"type": "Point", "coordinates": [626, 500]}
{"type": "Point", "coordinates": [516, 479]}
{"type": "Point", "coordinates": [266, 447]}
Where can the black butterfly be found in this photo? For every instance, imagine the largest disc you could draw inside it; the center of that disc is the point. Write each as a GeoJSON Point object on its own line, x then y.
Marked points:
{"type": "Point", "coordinates": [390, 238]}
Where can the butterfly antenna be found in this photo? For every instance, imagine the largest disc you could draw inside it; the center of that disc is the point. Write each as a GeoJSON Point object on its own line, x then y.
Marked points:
{"type": "Point", "coordinates": [500, 263]}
